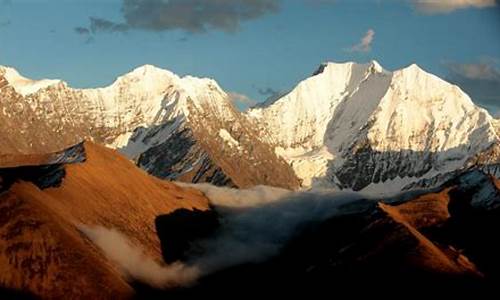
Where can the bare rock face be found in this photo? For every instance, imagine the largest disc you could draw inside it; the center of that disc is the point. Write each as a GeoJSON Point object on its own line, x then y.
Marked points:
{"type": "Point", "coordinates": [208, 141]}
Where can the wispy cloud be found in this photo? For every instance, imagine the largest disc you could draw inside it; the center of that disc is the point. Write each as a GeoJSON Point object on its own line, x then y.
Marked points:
{"type": "Point", "coordinates": [82, 30]}
{"type": "Point", "coordinates": [365, 44]}
{"type": "Point", "coordinates": [85, 32]}
{"type": "Point", "coordinates": [475, 71]}
{"type": "Point", "coordinates": [241, 99]}
{"type": "Point", "coordinates": [193, 16]}
{"type": "Point", "coordinates": [480, 80]}
{"type": "Point", "coordinates": [447, 6]}
{"type": "Point", "coordinates": [268, 91]}
{"type": "Point", "coordinates": [134, 263]}
{"type": "Point", "coordinates": [103, 25]}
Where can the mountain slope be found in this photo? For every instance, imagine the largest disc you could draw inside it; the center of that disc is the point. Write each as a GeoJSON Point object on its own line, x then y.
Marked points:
{"type": "Point", "coordinates": [44, 206]}
{"type": "Point", "coordinates": [357, 125]}
{"type": "Point", "coordinates": [173, 127]}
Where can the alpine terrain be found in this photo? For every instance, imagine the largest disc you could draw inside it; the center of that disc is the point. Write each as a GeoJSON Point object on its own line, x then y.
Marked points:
{"type": "Point", "coordinates": [360, 127]}
{"type": "Point", "coordinates": [348, 126]}
{"type": "Point", "coordinates": [177, 128]}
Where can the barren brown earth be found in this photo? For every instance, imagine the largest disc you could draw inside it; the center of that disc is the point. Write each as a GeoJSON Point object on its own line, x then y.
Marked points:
{"type": "Point", "coordinates": [42, 252]}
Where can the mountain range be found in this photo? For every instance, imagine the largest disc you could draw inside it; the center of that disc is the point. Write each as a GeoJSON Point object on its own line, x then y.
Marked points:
{"type": "Point", "coordinates": [349, 126]}
{"type": "Point", "coordinates": [359, 179]}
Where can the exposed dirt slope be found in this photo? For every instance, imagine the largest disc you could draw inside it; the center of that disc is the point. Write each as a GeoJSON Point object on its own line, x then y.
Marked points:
{"type": "Point", "coordinates": [43, 252]}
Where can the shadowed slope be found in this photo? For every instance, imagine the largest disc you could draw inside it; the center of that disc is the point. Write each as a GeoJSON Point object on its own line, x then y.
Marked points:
{"type": "Point", "coordinates": [426, 242]}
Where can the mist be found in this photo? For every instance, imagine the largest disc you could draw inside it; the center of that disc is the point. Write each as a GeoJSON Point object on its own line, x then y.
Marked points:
{"type": "Point", "coordinates": [134, 264]}
{"type": "Point", "coordinates": [255, 225]}
{"type": "Point", "coordinates": [258, 222]}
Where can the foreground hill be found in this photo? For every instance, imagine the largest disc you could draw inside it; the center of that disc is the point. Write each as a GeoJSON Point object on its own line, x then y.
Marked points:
{"type": "Point", "coordinates": [45, 204]}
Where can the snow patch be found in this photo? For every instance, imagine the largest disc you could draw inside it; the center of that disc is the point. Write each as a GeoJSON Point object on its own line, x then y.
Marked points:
{"type": "Point", "coordinates": [306, 165]}
{"type": "Point", "coordinates": [228, 138]}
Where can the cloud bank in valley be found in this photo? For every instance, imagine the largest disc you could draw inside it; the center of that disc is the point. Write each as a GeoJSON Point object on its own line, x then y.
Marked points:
{"type": "Point", "coordinates": [256, 224]}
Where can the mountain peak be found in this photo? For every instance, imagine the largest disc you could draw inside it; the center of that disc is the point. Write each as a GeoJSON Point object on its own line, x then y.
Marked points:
{"type": "Point", "coordinates": [376, 66]}
{"type": "Point", "coordinates": [413, 68]}
{"type": "Point", "coordinates": [148, 68]}
{"type": "Point", "coordinates": [148, 71]}
{"type": "Point", "coordinates": [336, 67]}
{"type": "Point", "coordinates": [23, 85]}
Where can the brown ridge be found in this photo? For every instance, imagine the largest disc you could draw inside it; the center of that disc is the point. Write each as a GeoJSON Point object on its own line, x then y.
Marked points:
{"type": "Point", "coordinates": [43, 252]}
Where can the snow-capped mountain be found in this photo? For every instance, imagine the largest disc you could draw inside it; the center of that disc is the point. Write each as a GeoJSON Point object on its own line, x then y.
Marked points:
{"type": "Point", "coordinates": [358, 126]}
{"type": "Point", "coordinates": [174, 127]}
{"type": "Point", "coordinates": [349, 126]}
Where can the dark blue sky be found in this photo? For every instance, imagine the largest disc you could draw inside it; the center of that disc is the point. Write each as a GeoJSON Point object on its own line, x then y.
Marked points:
{"type": "Point", "coordinates": [252, 47]}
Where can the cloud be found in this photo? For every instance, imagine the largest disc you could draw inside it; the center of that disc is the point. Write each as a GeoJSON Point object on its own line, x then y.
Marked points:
{"type": "Point", "coordinates": [255, 224]}
{"type": "Point", "coordinates": [85, 32]}
{"type": "Point", "coordinates": [103, 25]}
{"type": "Point", "coordinates": [193, 16]}
{"type": "Point", "coordinates": [82, 30]}
{"type": "Point", "coordinates": [259, 221]}
{"type": "Point", "coordinates": [475, 71]}
{"type": "Point", "coordinates": [270, 92]}
{"type": "Point", "coordinates": [242, 99]}
{"type": "Point", "coordinates": [365, 44]}
{"type": "Point", "coordinates": [99, 25]}
{"type": "Point", "coordinates": [447, 6]}
{"type": "Point", "coordinates": [480, 80]}
{"type": "Point", "coordinates": [134, 263]}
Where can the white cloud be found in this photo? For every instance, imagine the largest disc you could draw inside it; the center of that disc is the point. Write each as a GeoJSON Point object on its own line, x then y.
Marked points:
{"type": "Point", "coordinates": [447, 6]}
{"type": "Point", "coordinates": [365, 44]}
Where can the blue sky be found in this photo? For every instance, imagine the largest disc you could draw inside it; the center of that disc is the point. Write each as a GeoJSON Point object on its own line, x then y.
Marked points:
{"type": "Point", "coordinates": [252, 47]}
